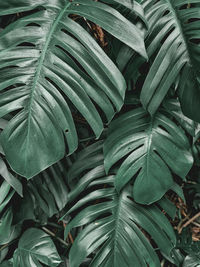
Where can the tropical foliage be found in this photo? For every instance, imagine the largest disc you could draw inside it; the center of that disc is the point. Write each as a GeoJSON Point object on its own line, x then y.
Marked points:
{"type": "Point", "coordinates": [99, 133]}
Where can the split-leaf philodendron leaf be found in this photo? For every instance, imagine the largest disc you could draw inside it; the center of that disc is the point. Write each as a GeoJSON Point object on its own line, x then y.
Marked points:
{"type": "Point", "coordinates": [49, 62]}
{"type": "Point", "coordinates": [150, 148]}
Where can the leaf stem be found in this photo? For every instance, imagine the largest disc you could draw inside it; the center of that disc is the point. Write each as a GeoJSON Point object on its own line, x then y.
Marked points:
{"type": "Point", "coordinates": [53, 235]}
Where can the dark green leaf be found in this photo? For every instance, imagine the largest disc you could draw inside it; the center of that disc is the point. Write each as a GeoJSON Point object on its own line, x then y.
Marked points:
{"type": "Point", "coordinates": [35, 247]}
{"type": "Point", "coordinates": [8, 232]}
{"type": "Point", "coordinates": [173, 45]}
{"type": "Point", "coordinates": [45, 80]}
{"type": "Point", "coordinates": [149, 148]}
{"type": "Point", "coordinates": [112, 224]}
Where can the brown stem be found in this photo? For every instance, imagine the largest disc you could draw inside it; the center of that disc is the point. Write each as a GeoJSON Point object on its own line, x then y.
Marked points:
{"type": "Point", "coordinates": [190, 221]}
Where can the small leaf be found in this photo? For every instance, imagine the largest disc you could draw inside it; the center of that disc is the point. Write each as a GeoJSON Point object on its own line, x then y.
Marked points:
{"type": "Point", "coordinates": [35, 247]}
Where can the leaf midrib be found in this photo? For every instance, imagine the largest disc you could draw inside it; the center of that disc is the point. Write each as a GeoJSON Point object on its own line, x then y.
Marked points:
{"type": "Point", "coordinates": [149, 143]}
{"type": "Point", "coordinates": [117, 212]}
{"type": "Point", "coordinates": [41, 61]}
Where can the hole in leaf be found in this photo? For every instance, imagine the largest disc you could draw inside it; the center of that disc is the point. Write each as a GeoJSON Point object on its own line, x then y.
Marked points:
{"type": "Point", "coordinates": [33, 24]}
{"type": "Point", "coordinates": [195, 41]}
{"type": "Point", "coordinates": [27, 44]}
{"type": "Point", "coordinates": [167, 35]}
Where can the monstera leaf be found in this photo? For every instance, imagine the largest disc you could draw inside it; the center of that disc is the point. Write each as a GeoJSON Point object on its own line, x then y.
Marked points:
{"type": "Point", "coordinates": [112, 224]}
{"type": "Point", "coordinates": [48, 64]}
{"type": "Point", "coordinates": [35, 247]}
{"type": "Point", "coordinates": [173, 45]}
{"type": "Point", "coordinates": [147, 149]}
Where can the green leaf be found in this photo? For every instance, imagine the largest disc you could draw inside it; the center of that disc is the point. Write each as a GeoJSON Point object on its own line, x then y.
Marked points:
{"type": "Point", "coordinates": [61, 66]}
{"type": "Point", "coordinates": [6, 264]}
{"type": "Point", "coordinates": [49, 190]}
{"type": "Point", "coordinates": [191, 261]}
{"type": "Point", "coordinates": [173, 48]}
{"type": "Point", "coordinates": [3, 253]}
{"type": "Point", "coordinates": [10, 179]}
{"type": "Point", "coordinates": [35, 247]}
{"type": "Point", "coordinates": [8, 232]}
{"type": "Point", "coordinates": [148, 150]}
{"type": "Point", "coordinates": [5, 194]}
{"type": "Point", "coordinates": [173, 107]}
{"type": "Point", "coordinates": [112, 224]}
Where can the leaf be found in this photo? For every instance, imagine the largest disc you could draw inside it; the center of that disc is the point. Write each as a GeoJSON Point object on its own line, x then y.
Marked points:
{"type": "Point", "coordinates": [172, 107]}
{"type": "Point", "coordinates": [7, 175]}
{"type": "Point", "coordinates": [89, 158]}
{"type": "Point", "coordinates": [6, 264]}
{"type": "Point", "coordinates": [8, 232]}
{"type": "Point", "coordinates": [56, 64]}
{"type": "Point", "coordinates": [5, 195]}
{"type": "Point", "coordinates": [112, 224]}
{"type": "Point", "coordinates": [45, 195]}
{"type": "Point", "coordinates": [35, 247]}
{"type": "Point", "coordinates": [3, 254]}
{"type": "Point", "coordinates": [148, 150]}
{"type": "Point", "coordinates": [49, 190]}
{"type": "Point", "coordinates": [191, 261]}
{"type": "Point", "coordinates": [173, 49]}
{"type": "Point", "coordinates": [4, 172]}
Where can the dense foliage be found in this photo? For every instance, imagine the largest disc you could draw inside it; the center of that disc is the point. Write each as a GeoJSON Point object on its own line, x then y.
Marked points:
{"type": "Point", "coordinates": [99, 133]}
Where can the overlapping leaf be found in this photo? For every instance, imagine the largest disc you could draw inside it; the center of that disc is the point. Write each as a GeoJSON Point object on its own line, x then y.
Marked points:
{"type": "Point", "coordinates": [8, 231]}
{"type": "Point", "coordinates": [49, 190]}
{"type": "Point", "coordinates": [35, 247]}
{"type": "Point", "coordinates": [48, 62]}
{"type": "Point", "coordinates": [173, 46]}
{"type": "Point", "coordinates": [45, 195]}
{"type": "Point", "coordinates": [147, 149]}
{"type": "Point", "coordinates": [5, 173]}
{"type": "Point", "coordinates": [112, 224]}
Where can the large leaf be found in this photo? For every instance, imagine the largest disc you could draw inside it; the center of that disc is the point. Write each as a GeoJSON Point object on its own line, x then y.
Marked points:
{"type": "Point", "coordinates": [173, 46]}
{"type": "Point", "coordinates": [112, 224]}
{"type": "Point", "coordinates": [147, 149]}
{"type": "Point", "coordinates": [49, 61]}
{"type": "Point", "coordinates": [35, 247]}
{"type": "Point", "coordinates": [6, 264]}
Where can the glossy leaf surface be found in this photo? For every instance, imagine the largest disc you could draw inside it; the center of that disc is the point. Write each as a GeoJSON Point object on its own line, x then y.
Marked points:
{"type": "Point", "coordinates": [173, 45]}
{"type": "Point", "coordinates": [112, 224]}
{"type": "Point", "coordinates": [35, 247]}
{"type": "Point", "coordinates": [149, 149]}
{"type": "Point", "coordinates": [56, 63]}
{"type": "Point", "coordinates": [8, 231]}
